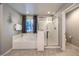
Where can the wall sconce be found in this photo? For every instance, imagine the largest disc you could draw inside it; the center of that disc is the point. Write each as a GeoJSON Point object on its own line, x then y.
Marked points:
{"type": "Point", "coordinates": [10, 18]}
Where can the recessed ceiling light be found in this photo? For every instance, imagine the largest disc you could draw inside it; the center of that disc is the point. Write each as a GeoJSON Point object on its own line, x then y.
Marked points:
{"type": "Point", "coordinates": [48, 12]}
{"type": "Point", "coordinates": [27, 12]}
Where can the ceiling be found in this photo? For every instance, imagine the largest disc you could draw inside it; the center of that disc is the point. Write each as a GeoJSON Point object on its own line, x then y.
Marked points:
{"type": "Point", "coordinates": [36, 8]}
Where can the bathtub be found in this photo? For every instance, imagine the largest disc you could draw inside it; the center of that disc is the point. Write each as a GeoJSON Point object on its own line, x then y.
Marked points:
{"type": "Point", "coordinates": [24, 41]}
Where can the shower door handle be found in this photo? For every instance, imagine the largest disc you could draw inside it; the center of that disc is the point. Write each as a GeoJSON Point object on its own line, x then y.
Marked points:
{"type": "Point", "coordinates": [47, 34]}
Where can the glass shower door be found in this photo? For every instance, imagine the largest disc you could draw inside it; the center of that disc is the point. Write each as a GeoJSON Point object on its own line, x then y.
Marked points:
{"type": "Point", "coordinates": [52, 31]}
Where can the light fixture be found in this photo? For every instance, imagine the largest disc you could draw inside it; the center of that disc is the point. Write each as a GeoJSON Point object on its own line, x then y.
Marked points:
{"type": "Point", "coordinates": [10, 18]}
{"type": "Point", "coordinates": [27, 12]}
{"type": "Point", "coordinates": [48, 12]}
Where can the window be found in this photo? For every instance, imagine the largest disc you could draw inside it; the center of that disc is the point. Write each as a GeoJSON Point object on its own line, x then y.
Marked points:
{"type": "Point", "coordinates": [29, 24]}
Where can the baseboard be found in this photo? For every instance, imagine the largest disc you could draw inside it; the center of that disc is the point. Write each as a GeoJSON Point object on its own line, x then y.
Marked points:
{"type": "Point", "coordinates": [6, 52]}
{"type": "Point", "coordinates": [52, 47]}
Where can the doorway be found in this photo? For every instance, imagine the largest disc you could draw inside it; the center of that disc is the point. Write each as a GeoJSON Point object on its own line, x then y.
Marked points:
{"type": "Point", "coordinates": [68, 26]}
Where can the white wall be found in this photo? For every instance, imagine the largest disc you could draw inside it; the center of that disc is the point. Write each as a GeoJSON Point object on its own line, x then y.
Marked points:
{"type": "Point", "coordinates": [61, 31]}
{"type": "Point", "coordinates": [7, 30]}
{"type": "Point", "coordinates": [0, 24]}
{"type": "Point", "coordinates": [72, 26]}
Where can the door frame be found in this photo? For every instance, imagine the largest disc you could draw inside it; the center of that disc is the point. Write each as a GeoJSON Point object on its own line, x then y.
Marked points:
{"type": "Point", "coordinates": [67, 10]}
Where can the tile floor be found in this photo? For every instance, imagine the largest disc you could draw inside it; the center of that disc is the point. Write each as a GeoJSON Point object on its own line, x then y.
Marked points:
{"type": "Point", "coordinates": [71, 50]}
